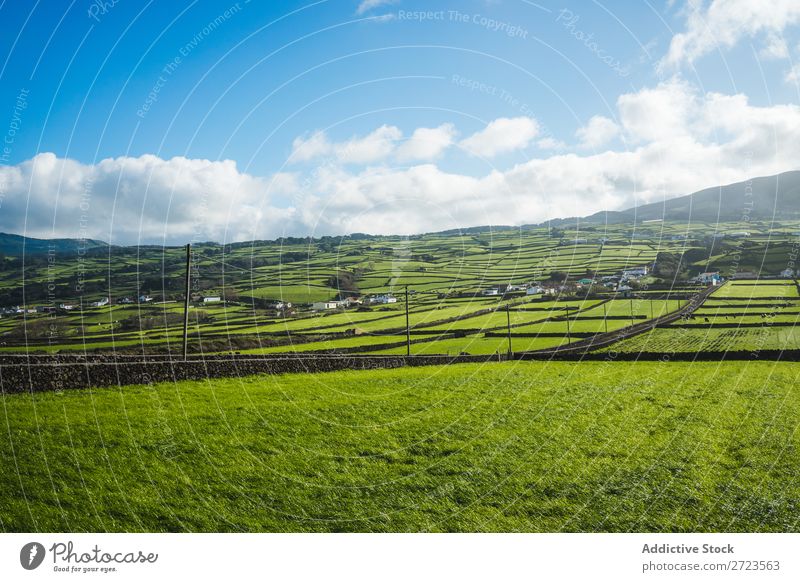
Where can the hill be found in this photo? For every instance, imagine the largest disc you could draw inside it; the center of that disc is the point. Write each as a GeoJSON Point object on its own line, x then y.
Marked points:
{"type": "Point", "coordinates": [764, 198]}
{"type": "Point", "coordinates": [17, 245]}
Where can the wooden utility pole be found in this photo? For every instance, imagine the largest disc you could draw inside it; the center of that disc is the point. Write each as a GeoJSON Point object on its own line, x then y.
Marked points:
{"type": "Point", "coordinates": [186, 302]}
{"type": "Point", "coordinates": [569, 333]}
{"type": "Point", "coordinates": [508, 324]}
{"type": "Point", "coordinates": [408, 328]}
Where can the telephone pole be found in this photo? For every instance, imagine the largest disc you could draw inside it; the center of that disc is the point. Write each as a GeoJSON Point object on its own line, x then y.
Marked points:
{"type": "Point", "coordinates": [186, 302]}
{"type": "Point", "coordinates": [508, 324]}
{"type": "Point", "coordinates": [631, 309]}
{"type": "Point", "coordinates": [408, 328]}
{"type": "Point", "coordinates": [569, 333]}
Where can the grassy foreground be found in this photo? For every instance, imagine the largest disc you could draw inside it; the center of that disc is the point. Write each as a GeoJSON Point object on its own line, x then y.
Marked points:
{"type": "Point", "coordinates": [499, 447]}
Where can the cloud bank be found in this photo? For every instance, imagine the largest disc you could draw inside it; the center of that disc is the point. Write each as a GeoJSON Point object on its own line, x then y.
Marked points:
{"type": "Point", "coordinates": [678, 140]}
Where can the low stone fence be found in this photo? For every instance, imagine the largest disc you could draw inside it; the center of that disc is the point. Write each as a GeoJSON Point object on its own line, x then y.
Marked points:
{"type": "Point", "coordinates": [43, 373]}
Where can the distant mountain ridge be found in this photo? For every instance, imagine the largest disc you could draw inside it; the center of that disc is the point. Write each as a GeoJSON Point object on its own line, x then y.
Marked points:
{"type": "Point", "coordinates": [762, 198]}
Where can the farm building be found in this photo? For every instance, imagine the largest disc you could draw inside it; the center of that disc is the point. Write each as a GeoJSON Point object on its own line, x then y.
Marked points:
{"type": "Point", "coordinates": [350, 302]}
{"type": "Point", "coordinates": [709, 278]}
{"type": "Point", "coordinates": [102, 302]}
{"type": "Point", "coordinates": [384, 299]}
{"type": "Point", "coordinates": [490, 292]}
{"type": "Point", "coordinates": [323, 305]}
{"type": "Point", "coordinates": [747, 275]}
{"type": "Point", "coordinates": [636, 272]}
{"type": "Point", "coordinates": [212, 299]}
{"type": "Point", "coordinates": [534, 290]}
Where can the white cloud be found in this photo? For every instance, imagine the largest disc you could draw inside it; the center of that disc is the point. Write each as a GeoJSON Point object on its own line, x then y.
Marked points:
{"type": "Point", "coordinates": [357, 150]}
{"type": "Point", "coordinates": [501, 136]}
{"type": "Point", "coordinates": [373, 147]}
{"type": "Point", "coordinates": [308, 148]}
{"type": "Point", "coordinates": [657, 113]}
{"type": "Point", "coordinates": [550, 143]}
{"type": "Point", "coordinates": [427, 143]}
{"type": "Point", "coordinates": [793, 74]}
{"type": "Point", "coordinates": [714, 139]}
{"type": "Point", "coordinates": [693, 140]}
{"type": "Point", "coordinates": [776, 48]}
{"type": "Point", "coordinates": [146, 198]}
{"type": "Point", "coordinates": [598, 132]}
{"type": "Point", "coordinates": [723, 23]}
{"type": "Point", "coordinates": [367, 5]}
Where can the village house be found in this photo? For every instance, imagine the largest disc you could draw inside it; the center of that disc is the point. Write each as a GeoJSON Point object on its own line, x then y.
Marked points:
{"type": "Point", "coordinates": [383, 299]}
{"type": "Point", "coordinates": [635, 272]}
{"type": "Point", "coordinates": [101, 303]}
{"type": "Point", "coordinates": [212, 299]}
{"type": "Point", "coordinates": [350, 302]}
{"type": "Point", "coordinates": [709, 278]}
{"type": "Point", "coordinates": [323, 305]}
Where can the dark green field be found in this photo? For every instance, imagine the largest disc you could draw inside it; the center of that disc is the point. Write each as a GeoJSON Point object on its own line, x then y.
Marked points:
{"type": "Point", "coordinates": [604, 446]}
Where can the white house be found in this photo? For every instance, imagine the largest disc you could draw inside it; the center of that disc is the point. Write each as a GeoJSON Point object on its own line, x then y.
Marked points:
{"type": "Point", "coordinates": [636, 272]}
{"type": "Point", "coordinates": [709, 278]}
{"type": "Point", "coordinates": [101, 303]}
{"type": "Point", "coordinates": [350, 301]}
{"type": "Point", "coordinates": [323, 305]}
{"type": "Point", "coordinates": [534, 290]}
{"type": "Point", "coordinates": [212, 299]}
{"type": "Point", "coordinates": [787, 273]}
{"type": "Point", "coordinates": [384, 299]}
{"type": "Point", "coordinates": [145, 299]}
{"type": "Point", "coordinates": [492, 291]}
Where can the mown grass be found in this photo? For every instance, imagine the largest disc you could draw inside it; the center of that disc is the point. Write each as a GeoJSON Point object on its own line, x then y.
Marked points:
{"type": "Point", "coordinates": [604, 446]}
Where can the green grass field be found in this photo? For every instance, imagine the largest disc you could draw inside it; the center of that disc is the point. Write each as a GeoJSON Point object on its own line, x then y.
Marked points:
{"type": "Point", "coordinates": [496, 447]}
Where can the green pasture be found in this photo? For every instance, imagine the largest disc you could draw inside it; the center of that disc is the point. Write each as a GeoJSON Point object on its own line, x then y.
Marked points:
{"type": "Point", "coordinates": [534, 447]}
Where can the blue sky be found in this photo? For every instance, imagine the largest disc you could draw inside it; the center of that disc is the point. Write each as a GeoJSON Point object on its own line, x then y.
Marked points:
{"type": "Point", "coordinates": [231, 121]}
